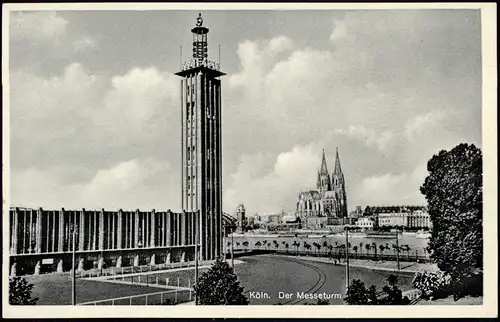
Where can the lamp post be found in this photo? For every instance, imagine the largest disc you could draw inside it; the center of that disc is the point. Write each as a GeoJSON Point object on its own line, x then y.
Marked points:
{"type": "Point", "coordinates": [73, 281]}
{"type": "Point", "coordinates": [232, 227]}
{"type": "Point", "coordinates": [397, 248]}
{"type": "Point", "coordinates": [102, 259]}
{"type": "Point", "coordinates": [196, 238]}
{"type": "Point", "coordinates": [232, 246]}
{"type": "Point", "coordinates": [223, 241]}
{"type": "Point", "coordinates": [346, 228]}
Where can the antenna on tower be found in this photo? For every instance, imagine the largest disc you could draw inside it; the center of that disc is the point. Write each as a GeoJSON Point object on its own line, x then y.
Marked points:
{"type": "Point", "coordinates": [219, 56]}
{"type": "Point", "coordinates": [180, 58]}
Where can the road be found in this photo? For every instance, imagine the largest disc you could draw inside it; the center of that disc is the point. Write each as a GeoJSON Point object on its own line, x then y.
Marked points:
{"type": "Point", "coordinates": [272, 274]}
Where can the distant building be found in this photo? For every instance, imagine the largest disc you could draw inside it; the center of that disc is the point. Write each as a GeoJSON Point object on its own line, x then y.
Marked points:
{"type": "Point", "coordinates": [290, 219]}
{"type": "Point", "coordinates": [241, 220]}
{"type": "Point", "coordinates": [330, 199]}
{"type": "Point", "coordinates": [404, 216]}
{"type": "Point", "coordinates": [340, 221]}
{"type": "Point", "coordinates": [286, 223]}
{"type": "Point", "coordinates": [274, 219]}
{"type": "Point", "coordinates": [366, 223]}
{"type": "Point", "coordinates": [419, 219]}
{"type": "Point", "coordinates": [317, 222]}
{"type": "Point", "coordinates": [358, 212]}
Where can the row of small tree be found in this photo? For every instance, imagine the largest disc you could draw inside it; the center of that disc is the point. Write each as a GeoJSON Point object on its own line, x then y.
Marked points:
{"type": "Point", "coordinates": [329, 247]}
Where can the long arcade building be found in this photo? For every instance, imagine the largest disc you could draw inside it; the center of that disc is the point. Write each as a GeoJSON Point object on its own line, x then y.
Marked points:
{"type": "Point", "coordinates": [42, 240]}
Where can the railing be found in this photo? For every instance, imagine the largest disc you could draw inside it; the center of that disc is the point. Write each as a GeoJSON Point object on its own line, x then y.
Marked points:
{"type": "Point", "coordinates": [171, 297]}
{"type": "Point", "coordinates": [112, 271]}
{"type": "Point", "coordinates": [151, 279]}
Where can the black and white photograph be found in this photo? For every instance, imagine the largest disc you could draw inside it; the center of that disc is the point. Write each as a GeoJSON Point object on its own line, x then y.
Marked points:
{"type": "Point", "coordinates": [259, 155]}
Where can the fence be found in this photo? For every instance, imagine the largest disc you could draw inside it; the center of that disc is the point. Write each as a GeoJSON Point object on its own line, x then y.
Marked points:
{"type": "Point", "coordinates": [112, 271]}
{"type": "Point", "coordinates": [171, 297]}
{"type": "Point", "coordinates": [155, 280]}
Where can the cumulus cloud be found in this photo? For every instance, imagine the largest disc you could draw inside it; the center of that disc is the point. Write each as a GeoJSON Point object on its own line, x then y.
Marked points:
{"type": "Point", "coordinates": [371, 138]}
{"type": "Point", "coordinates": [89, 109]}
{"type": "Point", "coordinates": [84, 43]}
{"type": "Point", "coordinates": [392, 188]}
{"type": "Point", "coordinates": [36, 26]}
{"type": "Point", "coordinates": [84, 123]}
{"type": "Point", "coordinates": [132, 184]}
{"type": "Point", "coordinates": [276, 188]}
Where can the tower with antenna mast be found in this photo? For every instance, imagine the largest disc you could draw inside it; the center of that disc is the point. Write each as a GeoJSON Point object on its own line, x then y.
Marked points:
{"type": "Point", "coordinates": [201, 105]}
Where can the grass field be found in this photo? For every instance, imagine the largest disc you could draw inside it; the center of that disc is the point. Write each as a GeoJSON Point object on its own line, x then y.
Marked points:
{"type": "Point", "coordinates": [55, 289]}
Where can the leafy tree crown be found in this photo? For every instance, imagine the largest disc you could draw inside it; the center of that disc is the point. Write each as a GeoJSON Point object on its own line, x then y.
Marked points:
{"type": "Point", "coordinates": [220, 286]}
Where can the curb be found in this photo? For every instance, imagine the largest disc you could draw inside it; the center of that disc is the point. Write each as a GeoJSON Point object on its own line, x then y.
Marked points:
{"type": "Point", "coordinates": [373, 268]}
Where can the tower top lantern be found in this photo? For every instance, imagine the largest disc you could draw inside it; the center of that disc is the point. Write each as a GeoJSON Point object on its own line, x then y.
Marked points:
{"type": "Point", "coordinates": [200, 51]}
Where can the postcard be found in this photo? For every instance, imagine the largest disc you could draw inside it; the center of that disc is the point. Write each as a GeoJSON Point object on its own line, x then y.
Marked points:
{"type": "Point", "coordinates": [232, 156]}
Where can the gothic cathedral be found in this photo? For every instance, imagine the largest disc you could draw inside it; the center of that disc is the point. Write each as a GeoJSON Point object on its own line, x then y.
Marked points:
{"type": "Point", "coordinates": [330, 199]}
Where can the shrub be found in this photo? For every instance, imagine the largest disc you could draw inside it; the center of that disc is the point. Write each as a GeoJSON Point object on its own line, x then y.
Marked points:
{"type": "Point", "coordinates": [432, 284]}
{"type": "Point", "coordinates": [358, 294]}
{"type": "Point", "coordinates": [20, 292]}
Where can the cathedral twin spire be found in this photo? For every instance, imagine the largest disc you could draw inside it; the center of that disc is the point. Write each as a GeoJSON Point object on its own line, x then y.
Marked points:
{"type": "Point", "coordinates": [325, 183]}
{"type": "Point", "coordinates": [338, 169]}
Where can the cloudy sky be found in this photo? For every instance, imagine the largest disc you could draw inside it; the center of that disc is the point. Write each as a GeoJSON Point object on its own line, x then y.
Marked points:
{"type": "Point", "coordinates": [95, 112]}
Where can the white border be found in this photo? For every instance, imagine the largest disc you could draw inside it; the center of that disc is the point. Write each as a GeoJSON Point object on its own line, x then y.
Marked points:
{"type": "Point", "coordinates": [489, 144]}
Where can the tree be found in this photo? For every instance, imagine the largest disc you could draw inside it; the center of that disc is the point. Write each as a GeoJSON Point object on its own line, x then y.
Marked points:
{"type": "Point", "coordinates": [368, 247]}
{"type": "Point", "coordinates": [407, 249]}
{"type": "Point", "coordinates": [322, 302]}
{"type": "Point", "coordinates": [258, 244]}
{"type": "Point", "coordinates": [20, 292]}
{"type": "Point", "coordinates": [355, 249]}
{"type": "Point", "coordinates": [220, 286]}
{"type": "Point", "coordinates": [393, 295]}
{"type": "Point", "coordinates": [382, 248]}
{"type": "Point", "coordinates": [318, 247]}
{"type": "Point", "coordinates": [396, 248]}
{"type": "Point", "coordinates": [357, 293]}
{"type": "Point", "coordinates": [454, 193]}
{"type": "Point", "coordinates": [307, 246]}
